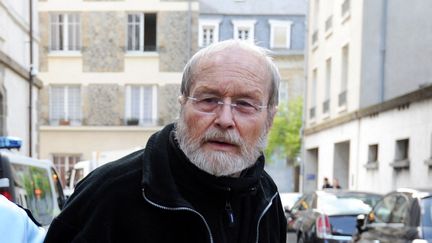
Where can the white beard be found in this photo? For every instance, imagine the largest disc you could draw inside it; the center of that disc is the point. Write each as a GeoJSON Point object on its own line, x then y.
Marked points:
{"type": "Point", "coordinates": [219, 163]}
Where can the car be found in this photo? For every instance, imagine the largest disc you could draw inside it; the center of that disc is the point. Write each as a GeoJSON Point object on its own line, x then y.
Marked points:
{"type": "Point", "coordinates": [289, 198]}
{"type": "Point", "coordinates": [329, 215]}
{"type": "Point", "coordinates": [31, 183]}
{"type": "Point", "coordinates": [403, 215]}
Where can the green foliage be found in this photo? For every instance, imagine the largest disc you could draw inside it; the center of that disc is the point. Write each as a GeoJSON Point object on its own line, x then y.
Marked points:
{"type": "Point", "coordinates": [284, 139]}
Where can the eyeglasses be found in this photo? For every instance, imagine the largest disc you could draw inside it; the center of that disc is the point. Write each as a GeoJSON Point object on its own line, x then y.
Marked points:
{"type": "Point", "coordinates": [212, 104]}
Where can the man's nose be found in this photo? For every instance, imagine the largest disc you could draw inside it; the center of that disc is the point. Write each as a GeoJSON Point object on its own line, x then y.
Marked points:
{"type": "Point", "coordinates": [225, 116]}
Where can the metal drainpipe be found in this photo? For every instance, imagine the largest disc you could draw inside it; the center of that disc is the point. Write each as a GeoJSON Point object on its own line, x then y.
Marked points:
{"type": "Point", "coordinates": [30, 75]}
{"type": "Point", "coordinates": [189, 31]}
{"type": "Point", "coordinates": [302, 145]}
{"type": "Point", "coordinates": [383, 41]}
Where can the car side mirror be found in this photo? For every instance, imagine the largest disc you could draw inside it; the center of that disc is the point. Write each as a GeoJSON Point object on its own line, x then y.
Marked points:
{"type": "Point", "coordinates": [361, 218]}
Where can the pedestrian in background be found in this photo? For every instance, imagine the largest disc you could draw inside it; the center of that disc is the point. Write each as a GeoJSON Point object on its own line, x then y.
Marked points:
{"type": "Point", "coordinates": [18, 225]}
{"type": "Point", "coordinates": [336, 184]}
{"type": "Point", "coordinates": [326, 183]}
{"type": "Point", "coordinates": [200, 179]}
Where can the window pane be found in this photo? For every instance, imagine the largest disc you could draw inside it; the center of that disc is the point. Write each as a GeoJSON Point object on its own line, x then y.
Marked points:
{"type": "Point", "coordinates": [147, 105]}
{"type": "Point", "coordinates": [280, 37]}
{"type": "Point", "coordinates": [57, 103]}
{"type": "Point", "coordinates": [74, 103]}
{"type": "Point", "coordinates": [135, 102]}
{"type": "Point", "coordinates": [150, 32]}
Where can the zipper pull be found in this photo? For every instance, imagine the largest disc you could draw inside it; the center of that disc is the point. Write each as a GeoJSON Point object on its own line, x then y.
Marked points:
{"type": "Point", "coordinates": [230, 214]}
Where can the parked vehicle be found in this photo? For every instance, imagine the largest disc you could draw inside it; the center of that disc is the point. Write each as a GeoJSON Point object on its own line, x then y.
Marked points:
{"type": "Point", "coordinates": [404, 215]}
{"type": "Point", "coordinates": [330, 215]}
{"type": "Point", "coordinates": [82, 168]}
{"type": "Point", "coordinates": [29, 182]}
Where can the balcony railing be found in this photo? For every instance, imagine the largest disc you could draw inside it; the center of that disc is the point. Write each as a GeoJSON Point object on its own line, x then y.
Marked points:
{"type": "Point", "coordinates": [326, 106]}
{"type": "Point", "coordinates": [329, 23]}
{"type": "Point", "coordinates": [312, 113]}
{"type": "Point", "coordinates": [342, 98]}
{"type": "Point", "coordinates": [345, 7]}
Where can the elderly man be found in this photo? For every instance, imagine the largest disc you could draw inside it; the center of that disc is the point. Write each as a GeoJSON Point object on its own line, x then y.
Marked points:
{"type": "Point", "coordinates": [200, 179]}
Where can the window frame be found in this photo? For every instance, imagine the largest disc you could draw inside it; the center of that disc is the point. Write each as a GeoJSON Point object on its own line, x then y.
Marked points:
{"type": "Point", "coordinates": [66, 109]}
{"type": "Point", "coordinates": [204, 23]}
{"type": "Point", "coordinates": [244, 24]}
{"type": "Point", "coordinates": [128, 104]}
{"type": "Point", "coordinates": [280, 23]}
{"type": "Point", "coordinates": [141, 38]}
{"type": "Point", "coordinates": [67, 22]}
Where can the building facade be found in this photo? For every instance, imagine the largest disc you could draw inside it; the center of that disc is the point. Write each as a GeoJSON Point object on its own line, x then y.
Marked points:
{"type": "Point", "coordinates": [15, 81]}
{"type": "Point", "coordinates": [368, 116]}
{"type": "Point", "coordinates": [111, 73]}
{"type": "Point", "coordinates": [276, 25]}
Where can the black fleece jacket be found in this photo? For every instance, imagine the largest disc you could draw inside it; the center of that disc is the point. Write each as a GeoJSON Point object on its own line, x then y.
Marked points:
{"type": "Point", "coordinates": [157, 195]}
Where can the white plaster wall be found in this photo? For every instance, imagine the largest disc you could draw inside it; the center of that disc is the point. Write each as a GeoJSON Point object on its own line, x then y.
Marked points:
{"type": "Point", "coordinates": [141, 69]}
{"type": "Point", "coordinates": [330, 44]}
{"type": "Point", "coordinates": [414, 123]}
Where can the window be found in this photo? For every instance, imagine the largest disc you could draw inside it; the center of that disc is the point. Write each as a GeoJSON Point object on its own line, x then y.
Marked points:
{"type": "Point", "coordinates": [244, 30]}
{"type": "Point", "coordinates": [64, 163]}
{"type": "Point", "coordinates": [280, 34]}
{"type": "Point", "coordinates": [65, 32]}
{"type": "Point", "coordinates": [141, 105]}
{"type": "Point", "coordinates": [373, 153]}
{"type": "Point", "coordinates": [141, 32]}
{"type": "Point", "coordinates": [314, 93]}
{"type": "Point", "coordinates": [384, 208]}
{"type": "Point", "coordinates": [402, 147]}
{"type": "Point", "coordinates": [208, 32]}
{"type": "Point", "coordinates": [65, 105]}
{"type": "Point", "coordinates": [344, 76]}
{"type": "Point", "coordinates": [326, 103]}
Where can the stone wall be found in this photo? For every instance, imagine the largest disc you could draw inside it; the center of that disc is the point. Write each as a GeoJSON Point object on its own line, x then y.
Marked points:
{"type": "Point", "coordinates": [103, 105]}
{"type": "Point", "coordinates": [43, 104]}
{"type": "Point", "coordinates": [103, 41]}
{"type": "Point", "coordinates": [168, 104]}
{"type": "Point", "coordinates": [173, 37]}
{"type": "Point", "coordinates": [44, 41]}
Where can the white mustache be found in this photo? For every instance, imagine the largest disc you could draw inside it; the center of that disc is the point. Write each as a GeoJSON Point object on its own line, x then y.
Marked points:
{"type": "Point", "coordinates": [227, 137]}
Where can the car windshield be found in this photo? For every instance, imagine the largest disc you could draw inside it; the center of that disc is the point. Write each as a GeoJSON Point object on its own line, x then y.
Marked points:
{"type": "Point", "coordinates": [346, 204]}
{"type": "Point", "coordinates": [427, 218]}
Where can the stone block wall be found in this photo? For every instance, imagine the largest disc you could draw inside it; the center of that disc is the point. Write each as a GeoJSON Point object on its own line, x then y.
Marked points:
{"type": "Point", "coordinates": [43, 105]}
{"type": "Point", "coordinates": [173, 38]}
{"type": "Point", "coordinates": [44, 41]}
{"type": "Point", "coordinates": [168, 104]}
{"type": "Point", "coordinates": [103, 105]}
{"type": "Point", "coordinates": [103, 41]}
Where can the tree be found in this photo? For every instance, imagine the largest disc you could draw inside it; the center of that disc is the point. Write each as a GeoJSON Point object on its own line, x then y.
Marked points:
{"type": "Point", "coordinates": [284, 139]}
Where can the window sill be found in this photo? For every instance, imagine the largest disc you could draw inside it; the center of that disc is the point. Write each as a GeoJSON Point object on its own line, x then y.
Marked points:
{"type": "Point", "coordinates": [328, 33]}
{"type": "Point", "coordinates": [371, 165]}
{"type": "Point", "coordinates": [346, 17]}
{"type": "Point", "coordinates": [401, 164]}
{"type": "Point", "coordinates": [326, 116]}
{"type": "Point", "coordinates": [342, 108]}
{"type": "Point", "coordinates": [64, 54]}
{"type": "Point", "coordinates": [142, 54]}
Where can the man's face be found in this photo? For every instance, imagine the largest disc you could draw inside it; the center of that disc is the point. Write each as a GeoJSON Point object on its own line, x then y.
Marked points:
{"type": "Point", "coordinates": [226, 142]}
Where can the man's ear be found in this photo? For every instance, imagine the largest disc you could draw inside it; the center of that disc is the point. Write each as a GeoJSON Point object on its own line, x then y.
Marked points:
{"type": "Point", "coordinates": [271, 113]}
{"type": "Point", "coordinates": [181, 99]}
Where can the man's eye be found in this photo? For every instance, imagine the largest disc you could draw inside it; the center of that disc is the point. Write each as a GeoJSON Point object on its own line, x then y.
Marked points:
{"type": "Point", "coordinates": [245, 104]}
{"type": "Point", "coordinates": [210, 100]}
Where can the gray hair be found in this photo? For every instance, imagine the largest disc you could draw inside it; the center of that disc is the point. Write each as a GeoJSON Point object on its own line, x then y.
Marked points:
{"type": "Point", "coordinates": [190, 67]}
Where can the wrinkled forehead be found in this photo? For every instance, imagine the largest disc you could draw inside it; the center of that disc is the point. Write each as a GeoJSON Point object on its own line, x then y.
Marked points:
{"type": "Point", "coordinates": [253, 63]}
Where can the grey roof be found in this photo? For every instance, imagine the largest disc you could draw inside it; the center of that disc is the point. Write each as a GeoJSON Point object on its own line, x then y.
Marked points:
{"type": "Point", "coordinates": [255, 7]}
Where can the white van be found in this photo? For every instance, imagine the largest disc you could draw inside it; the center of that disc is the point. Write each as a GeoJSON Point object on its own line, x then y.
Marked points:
{"type": "Point", "coordinates": [31, 183]}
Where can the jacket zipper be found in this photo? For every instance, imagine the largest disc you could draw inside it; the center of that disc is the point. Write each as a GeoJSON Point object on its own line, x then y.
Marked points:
{"type": "Point", "coordinates": [181, 209]}
{"type": "Point", "coordinates": [262, 214]}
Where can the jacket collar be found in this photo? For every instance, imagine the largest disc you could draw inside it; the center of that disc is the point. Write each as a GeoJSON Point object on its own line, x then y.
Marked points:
{"type": "Point", "coordinates": [165, 165]}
